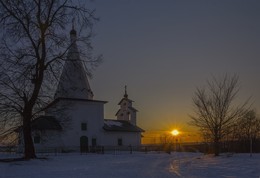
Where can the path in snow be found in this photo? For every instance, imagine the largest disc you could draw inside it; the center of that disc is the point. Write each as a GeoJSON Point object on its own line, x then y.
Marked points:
{"type": "Point", "coordinates": [137, 165]}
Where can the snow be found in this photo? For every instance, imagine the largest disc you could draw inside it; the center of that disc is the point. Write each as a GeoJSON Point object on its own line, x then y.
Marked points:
{"type": "Point", "coordinates": [137, 165]}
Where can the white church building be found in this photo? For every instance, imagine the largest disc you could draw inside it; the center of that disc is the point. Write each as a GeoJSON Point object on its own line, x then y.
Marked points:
{"type": "Point", "coordinates": [75, 121]}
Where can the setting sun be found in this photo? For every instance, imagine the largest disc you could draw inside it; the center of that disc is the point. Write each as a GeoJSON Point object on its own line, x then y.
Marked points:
{"type": "Point", "coordinates": [175, 132]}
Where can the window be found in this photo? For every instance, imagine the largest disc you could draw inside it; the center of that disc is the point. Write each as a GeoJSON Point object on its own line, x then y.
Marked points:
{"type": "Point", "coordinates": [37, 139]}
{"type": "Point", "coordinates": [119, 142]}
{"type": "Point", "coordinates": [83, 126]}
{"type": "Point", "coordinates": [94, 142]}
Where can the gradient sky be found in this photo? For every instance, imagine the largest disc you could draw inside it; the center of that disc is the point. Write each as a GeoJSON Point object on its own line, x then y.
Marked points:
{"type": "Point", "coordinates": [163, 50]}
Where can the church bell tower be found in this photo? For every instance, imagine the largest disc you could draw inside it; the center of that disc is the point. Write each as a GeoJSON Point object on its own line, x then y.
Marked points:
{"type": "Point", "coordinates": [126, 112]}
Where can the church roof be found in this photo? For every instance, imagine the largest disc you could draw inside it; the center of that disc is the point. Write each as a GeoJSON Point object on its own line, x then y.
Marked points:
{"type": "Point", "coordinates": [73, 82]}
{"type": "Point", "coordinates": [46, 123]}
{"type": "Point", "coordinates": [117, 112]}
{"type": "Point", "coordinates": [120, 126]}
{"type": "Point", "coordinates": [133, 109]}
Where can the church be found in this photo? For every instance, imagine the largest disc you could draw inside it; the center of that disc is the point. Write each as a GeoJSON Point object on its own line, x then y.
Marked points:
{"type": "Point", "coordinates": [74, 121]}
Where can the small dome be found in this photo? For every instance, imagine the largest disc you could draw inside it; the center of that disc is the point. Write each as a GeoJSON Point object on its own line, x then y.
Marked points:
{"type": "Point", "coordinates": [73, 32]}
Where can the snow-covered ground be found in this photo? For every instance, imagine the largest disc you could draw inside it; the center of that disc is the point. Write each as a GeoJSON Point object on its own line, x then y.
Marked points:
{"type": "Point", "coordinates": [137, 165]}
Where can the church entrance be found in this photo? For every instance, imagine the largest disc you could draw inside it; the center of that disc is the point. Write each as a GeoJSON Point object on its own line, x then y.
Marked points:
{"type": "Point", "coordinates": [83, 144]}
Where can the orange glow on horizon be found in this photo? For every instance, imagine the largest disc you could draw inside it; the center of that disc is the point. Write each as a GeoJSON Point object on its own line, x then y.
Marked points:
{"type": "Point", "coordinates": [159, 136]}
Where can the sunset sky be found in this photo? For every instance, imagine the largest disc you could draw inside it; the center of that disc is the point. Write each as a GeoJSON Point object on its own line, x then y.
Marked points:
{"type": "Point", "coordinates": [163, 50]}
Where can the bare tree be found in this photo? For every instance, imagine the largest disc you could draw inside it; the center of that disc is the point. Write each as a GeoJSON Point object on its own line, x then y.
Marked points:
{"type": "Point", "coordinates": [249, 126]}
{"type": "Point", "coordinates": [33, 46]}
{"type": "Point", "coordinates": [215, 110]}
{"type": "Point", "coordinates": [247, 130]}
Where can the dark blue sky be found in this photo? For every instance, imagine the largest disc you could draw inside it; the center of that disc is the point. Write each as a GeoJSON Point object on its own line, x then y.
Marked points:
{"type": "Point", "coordinates": [163, 50]}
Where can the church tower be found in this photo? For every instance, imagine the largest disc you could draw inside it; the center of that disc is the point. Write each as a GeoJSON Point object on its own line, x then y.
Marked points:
{"type": "Point", "coordinates": [73, 81]}
{"type": "Point", "coordinates": [126, 112]}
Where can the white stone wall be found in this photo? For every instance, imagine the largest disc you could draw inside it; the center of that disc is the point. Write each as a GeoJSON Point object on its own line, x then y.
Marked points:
{"type": "Point", "coordinates": [71, 114]}
{"type": "Point", "coordinates": [91, 113]}
{"type": "Point", "coordinates": [128, 138]}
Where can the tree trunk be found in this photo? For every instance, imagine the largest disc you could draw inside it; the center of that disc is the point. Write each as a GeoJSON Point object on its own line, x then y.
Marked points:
{"type": "Point", "coordinates": [216, 147]}
{"type": "Point", "coordinates": [29, 151]}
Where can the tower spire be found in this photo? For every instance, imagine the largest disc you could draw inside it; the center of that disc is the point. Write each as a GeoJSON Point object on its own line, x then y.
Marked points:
{"type": "Point", "coordinates": [74, 81]}
{"type": "Point", "coordinates": [126, 95]}
{"type": "Point", "coordinates": [73, 33]}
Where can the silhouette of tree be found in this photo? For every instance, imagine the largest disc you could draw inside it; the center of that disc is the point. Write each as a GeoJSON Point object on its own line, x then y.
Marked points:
{"type": "Point", "coordinates": [215, 112]}
{"type": "Point", "coordinates": [247, 130]}
{"type": "Point", "coordinates": [33, 46]}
